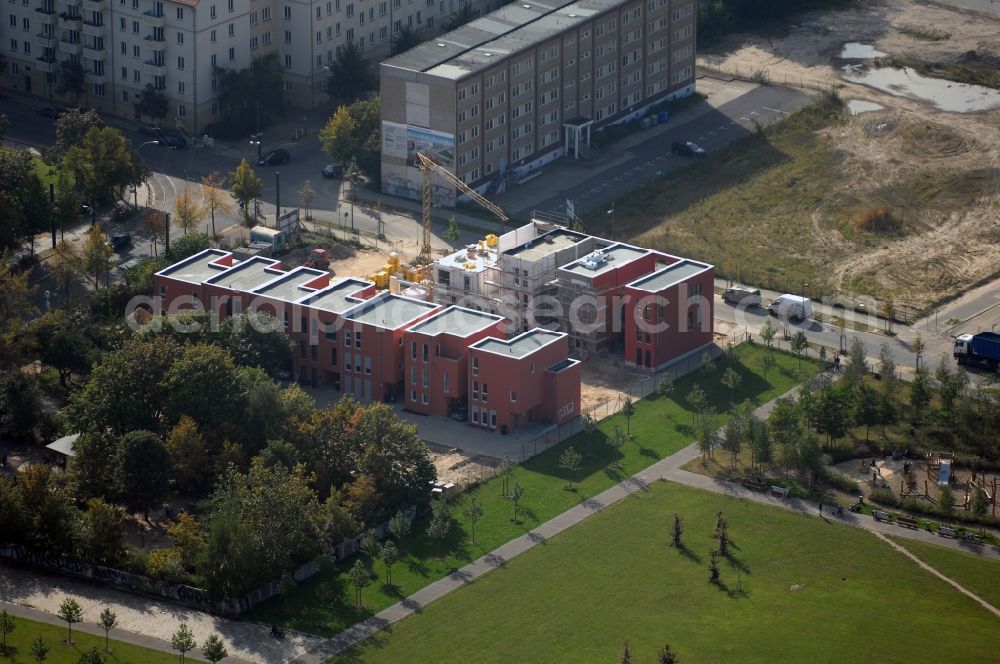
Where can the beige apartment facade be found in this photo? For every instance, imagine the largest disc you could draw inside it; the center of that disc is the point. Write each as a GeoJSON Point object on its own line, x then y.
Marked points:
{"type": "Point", "coordinates": [527, 84]}
{"type": "Point", "coordinates": [176, 45]}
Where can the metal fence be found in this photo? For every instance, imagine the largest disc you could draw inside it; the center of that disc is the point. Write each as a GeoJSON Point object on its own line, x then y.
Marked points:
{"type": "Point", "coordinates": [762, 75]}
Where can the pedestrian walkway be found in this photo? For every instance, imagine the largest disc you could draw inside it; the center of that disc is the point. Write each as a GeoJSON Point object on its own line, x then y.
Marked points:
{"type": "Point", "coordinates": [670, 469]}
{"type": "Point", "coordinates": [143, 620]}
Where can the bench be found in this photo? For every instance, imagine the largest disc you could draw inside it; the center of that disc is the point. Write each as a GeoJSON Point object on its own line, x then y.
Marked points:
{"type": "Point", "coordinates": [945, 531]}
{"type": "Point", "coordinates": [881, 516]}
{"type": "Point", "coordinates": [973, 538]}
{"type": "Point", "coordinates": [906, 521]}
{"type": "Point", "coordinates": [779, 491]}
{"type": "Point", "coordinates": [751, 483]}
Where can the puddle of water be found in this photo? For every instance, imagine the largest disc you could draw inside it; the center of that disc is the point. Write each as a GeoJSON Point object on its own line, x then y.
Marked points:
{"type": "Point", "coordinates": [946, 95]}
{"type": "Point", "coordinates": [858, 106]}
{"type": "Point", "coordinates": [858, 51]}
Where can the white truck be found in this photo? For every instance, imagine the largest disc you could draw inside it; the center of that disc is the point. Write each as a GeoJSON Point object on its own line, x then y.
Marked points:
{"type": "Point", "coordinates": [793, 307]}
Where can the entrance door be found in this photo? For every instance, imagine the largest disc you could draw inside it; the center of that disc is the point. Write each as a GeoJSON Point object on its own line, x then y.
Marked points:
{"type": "Point", "coordinates": [647, 359]}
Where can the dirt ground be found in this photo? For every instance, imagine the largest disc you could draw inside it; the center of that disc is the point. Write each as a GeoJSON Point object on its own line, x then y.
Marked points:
{"type": "Point", "coordinates": [947, 247]}
{"type": "Point", "coordinates": [453, 466]}
{"type": "Point", "coordinates": [604, 378]}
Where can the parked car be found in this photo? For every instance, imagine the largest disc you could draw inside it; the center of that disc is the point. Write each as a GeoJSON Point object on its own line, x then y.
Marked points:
{"type": "Point", "coordinates": [132, 262]}
{"type": "Point", "coordinates": [51, 112]}
{"type": "Point", "coordinates": [121, 242]}
{"type": "Point", "coordinates": [748, 297]}
{"type": "Point", "coordinates": [687, 149]}
{"type": "Point", "coordinates": [170, 138]}
{"type": "Point", "coordinates": [275, 157]}
{"type": "Point", "coordinates": [331, 171]}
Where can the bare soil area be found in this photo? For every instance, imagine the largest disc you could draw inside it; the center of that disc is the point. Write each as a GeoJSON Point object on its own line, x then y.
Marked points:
{"type": "Point", "coordinates": [454, 466]}
{"type": "Point", "coordinates": [939, 171]}
{"type": "Point", "coordinates": [606, 378]}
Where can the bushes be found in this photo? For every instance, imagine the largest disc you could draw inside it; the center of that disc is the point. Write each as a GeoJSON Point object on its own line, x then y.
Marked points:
{"type": "Point", "coordinates": [887, 498]}
{"type": "Point", "coordinates": [840, 481]}
{"type": "Point", "coordinates": [879, 219]}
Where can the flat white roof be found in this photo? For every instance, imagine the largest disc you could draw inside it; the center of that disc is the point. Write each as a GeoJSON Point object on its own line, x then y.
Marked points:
{"type": "Point", "coordinates": [338, 297]}
{"type": "Point", "coordinates": [248, 274]}
{"type": "Point", "coordinates": [680, 271]}
{"type": "Point", "coordinates": [290, 286]}
{"type": "Point", "coordinates": [197, 268]}
{"type": "Point", "coordinates": [458, 321]}
{"type": "Point", "coordinates": [614, 256]}
{"type": "Point", "coordinates": [522, 345]}
{"type": "Point", "coordinates": [389, 310]}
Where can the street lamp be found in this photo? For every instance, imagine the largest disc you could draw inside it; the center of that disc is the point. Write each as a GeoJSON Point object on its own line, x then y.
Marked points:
{"type": "Point", "coordinates": [135, 188]}
{"type": "Point", "coordinates": [255, 140]}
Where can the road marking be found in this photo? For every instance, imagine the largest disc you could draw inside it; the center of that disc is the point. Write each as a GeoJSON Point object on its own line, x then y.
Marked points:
{"type": "Point", "coordinates": [745, 118]}
{"type": "Point", "coordinates": [775, 110]}
{"type": "Point", "coordinates": [754, 113]}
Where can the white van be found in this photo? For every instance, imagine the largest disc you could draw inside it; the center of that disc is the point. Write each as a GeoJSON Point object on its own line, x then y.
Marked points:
{"type": "Point", "coordinates": [748, 297]}
{"type": "Point", "coordinates": [792, 307]}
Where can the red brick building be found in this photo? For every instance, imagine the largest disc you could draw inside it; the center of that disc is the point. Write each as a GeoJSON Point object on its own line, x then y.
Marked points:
{"type": "Point", "coordinates": [528, 378]}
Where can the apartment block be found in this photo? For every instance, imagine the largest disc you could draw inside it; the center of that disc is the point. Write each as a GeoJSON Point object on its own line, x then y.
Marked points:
{"type": "Point", "coordinates": [378, 345]}
{"type": "Point", "coordinates": [176, 45]}
{"type": "Point", "coordinates": [527, 84]}
{"type": "Point", "coordinates": [593, 290]}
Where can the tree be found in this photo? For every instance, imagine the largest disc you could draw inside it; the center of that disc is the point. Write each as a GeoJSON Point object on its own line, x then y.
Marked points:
{"type": "Point", "coordinates": [980, 502]}
{"type": "Point", "coordinates": [713, 568]}
{"type": "Point", "coordinates": [187, 212]}
{"type": "Point", "coordinates": [20, 405]}
{"type": "Point", "coordinates": [102, 532]}
{"type": "Point", "coordinates": [36, 211]}
{"type": "Point", "coordinates": [708, 437]}
{"type": "Point", "coordinates": [665, 388]}
{"type": "Point", "coordinates": [256, 339]}
{"type": "Point", "coordinates": [67, 268]}
{"type": "Point", "coordinates": [505, 469]}
{"type": "Point", "coordinates": [246, 186]}
{"type": "Point", "coordinates": [154, 227]}
{"type": "Point", "coordinates": [678, 530]}
{"type": "Point", "coordinates": [615, 442]}
{"type": "Point", "coordinates": [406, 37]}
{"type": "Point", "coordinates": [800, 345]}
{"type": "Point", "coordinates": [625, 654]}
{"type": "Point", "coordinates": [96, 254]}
{"type": "Point", "coordinates": [142, 471]}
{"type": "Point", "coordinates": [918, 346]}
{"type": "Point", "coordinates": [359, 577]}
{"type": "Point", "coordinates": [71, 80]}
{"type": "Point", "coordinates": [731, 379]}
{"type": "Point", "coordinates": [666, 656]}
{"type": "Point", "coordinates": [707, 362]}
{"type": "Point", "coordinates": [767, 361]}
{"type": "Point", "coordinates": [70, 612]}
{"type": "Point", "coordinates": [109, 620]}
{"type": "Point", "coordinates": [103, 163]}
{"type": "Point", "coordinates": [866, 408]}
{"type": "Point", "coordinates": [151, 102]}
{"type": "Point", "coordinates": [351, 74]}
{"type": "Point", "coordinates": [187, 245]}
{"type": "Point", "coordinates": [369, 545]}
{"type": "Point", "coordinates": [307, 194]}
{"type": "Point", "coordinates": [441, 520]}
{"type": "Point", "coordinates": [735, 433]}
{"type": "Point", "coordinates": [459, 18]}
{"type": "Point", "coordinates": [920, 394]}
{"type": "Point", "coordinates": [189, 456]}
{"type": "Point", "coordinates": [698, 400]}
{"type": "Point", "coordinates": [569, 461]}
{"type": "Point", "coordinates": [182, 640]}
{"type": "Point", "coordinates": [856, 365]}
{"type": "Point", "coordinates": [92, 656]}
{"type": "Point", "coordinates": [388, 554]}
{"type": "Point", "coordinates": [452, 233]}
{"type": "Point", "coordinates": [474, 512]}
{"type": "Point", "coordinates": [7, 625]}
{"type": "Point", "coordinates": [951, 385]}
{"type": "Point", "coordinates": [71, 126]}
{"type": "Point", "coordinates": [888, 313]}
{"type": "Point", "coordinates": [204, 384]}
{"type": "Point", "coordinates": [214, 649]}
{"type": "Point", "coordinates": [946, 502]}
{"type": "Point", "coordinates": [515, 497]}
{"type": "Point", "coordinates": [214, 197]}
{"type": "Point", "coordinates": [339, 136]}
{"type": "Point", "coordinates": [760, 442]}
{"type": "Point", "coordinates": [887, 371]}
{"type": "Point", "coordinates": [249, 98]}
{"type": "Point", "coordinates": [39, 650]}
{"type": "Point", "coordinates": [628, 410]}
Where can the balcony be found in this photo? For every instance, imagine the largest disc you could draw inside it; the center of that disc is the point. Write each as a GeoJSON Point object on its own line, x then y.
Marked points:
{"type": "Point", "coordinates": [47, 65]}
{"type": "Point", "coordinates": [154, 68]}
{"type": "Point", "coordinates": [98, 78]}
{"type": "Point", "coordinates": [93, 52]}
{"type": "Point", "coordinates": [154, 19]}
{"type": "Point", "coordinates": [68, 6]}
{"type": "Point", "coordinates": [95, 30]}
{"type": "Point", "coordinates": [151, 37]}
{"type": "Point", "coordinates": [70, 49]}
{"type": "Point", "coordinates": [45, 40]}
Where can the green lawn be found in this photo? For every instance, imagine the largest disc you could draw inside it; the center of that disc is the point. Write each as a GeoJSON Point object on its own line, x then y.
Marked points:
{"type": "Point", "coordinates": [978, 575]}
{"type": "Point", "coordinates": [45, 172]}
{"type": "Point", "coordinates": [26, 631]}
{"type": "Point", "coordinates": [324, 604]}
{"type": "Point", "coordinates": [795, 589]}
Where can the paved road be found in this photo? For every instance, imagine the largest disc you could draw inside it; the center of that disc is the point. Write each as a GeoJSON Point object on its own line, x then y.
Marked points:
{"type": "Point", "coordinates": [665, 469]}
{"type": "Point", "coordinates": [647, 160]}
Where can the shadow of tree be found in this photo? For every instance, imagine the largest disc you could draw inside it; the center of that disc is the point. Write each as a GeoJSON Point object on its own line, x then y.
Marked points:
{"type": "Point", "coordinates": [686, 551]}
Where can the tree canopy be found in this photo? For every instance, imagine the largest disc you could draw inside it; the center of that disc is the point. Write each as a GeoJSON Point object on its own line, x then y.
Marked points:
{"type": "Point", "coordinates": [351, 74]}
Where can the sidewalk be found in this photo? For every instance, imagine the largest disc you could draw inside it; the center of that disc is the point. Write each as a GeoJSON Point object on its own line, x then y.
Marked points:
{"type": "Point", "coordinates": [665, 469]}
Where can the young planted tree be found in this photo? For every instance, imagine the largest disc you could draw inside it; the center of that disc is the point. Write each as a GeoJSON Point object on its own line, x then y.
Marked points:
{"type": "Point", "coordinates": [767, 335]}
{"type": "Point", "coordinates": [666, 655]}
{"type": "Point", "coordinates": [246, 186]}
{"type": "Point", "coordinates": [628, 410]}
{"type": "Point", "coordinates": [92, 656]}
{"type": "Point", "coordinates": [441, 520]}
{"type": "Point", "coordinates": [40, 650]}
{"type": "Point", "coordinates": [96, 255]}
{"type": "Point", "coordinates": [707, 362]}
{"type": "Point", "coordinates": [767, 361]}
{"type": "Point", "coordinates": [678, 530]}
{"type": "Point", "coordinates": [307, 194]}
{"type": "Point", "coordinates": [615, 442]}
{"type": "Point", "coordinates": [67, 268]}
{"type": "Point", "coordinates": [339, 137]}
{"type": "Point", "coordinates": [399, 527]}
{"type": "Point", "coordinates": [713, 568]}
{"type": "Point", "coordinates": [856, 365]}
{"type": "Point", "coordinates": [515, 497]}
{"type": "Point", "coordinates": [698, 400]}
{"type": "Point", "coordinates": [452, 232]}
{"type": "Point", "coordinates": [182, 641]}
{"type": "Point", "coordinates": [722, 534]}
{"type": "Point", "coordinates": [570, 461]}
{"type": "Point", "coordinates": [7, 625]}
{"type": "Point", "coordinates": [735, 434]}
{"type": "Point", "coordinates": [359, 577]}
{"type": "Point", "coordinates": [474, 512]}
{"type": "Point", "coordinates": [760, 443]}
{"type": "Point", "coordinates": [918, 347]}
{"type": "Point", "coordinates": [980, 502]}
{"type": "Point", "coordinates": [214, 649]}
{"type": "Point", "coordinates": [369, 546]}
{"type": "Point", "coordinates": [214, 196]}
{"type": "Point", "coordinates": [71, 612]}
{"type": "Point", "coordinates": [187, 212]}
{"type": "Point", "coordinates": [946, 502]}
{"type": "Point", "coordinates": [108, 622]}
{"type": "Point", "coordinates": [389, 555]}
{"type": "Point", "coordinates": [732, 379]}
{"type": "Point", "coordinates": [920, 395]}
{"type": "Point", "coordinates": [708, 437]}
{"type": "Point", "coordinates": [800, 346]}
{"type": "Point", "coordinates": [625, 654]}
{"type": "Point", "coordinates": [665, 388]}
{"type": "Point", "coordinates": [866, 408]}
{"type": "Point", "coordinates": [506, 468]}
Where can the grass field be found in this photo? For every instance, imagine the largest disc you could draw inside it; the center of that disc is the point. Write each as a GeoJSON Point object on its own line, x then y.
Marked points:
{"type": "Point", "coordinates": [796, 589]}
{"type": "Point", "coordinates": [26, 631]}
{"type": "Point", "coordinates": [978, 575]}
{"type": "Point", "coordinates": [46, 173]}
{"type": "Point", "coordinates": [324, 604]}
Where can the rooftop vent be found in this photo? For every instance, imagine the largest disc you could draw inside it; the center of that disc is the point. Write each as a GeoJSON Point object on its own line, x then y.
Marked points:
{"type": "Point", "coordinates": [595, 260]}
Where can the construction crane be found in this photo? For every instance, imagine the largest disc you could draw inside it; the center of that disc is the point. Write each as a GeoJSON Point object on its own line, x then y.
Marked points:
{"type": "Point", "coordinates": [427, 165]}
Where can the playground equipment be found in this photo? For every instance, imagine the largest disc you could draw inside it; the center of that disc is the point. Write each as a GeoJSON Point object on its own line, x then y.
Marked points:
{"type": "Point", "coordinates": [939, 466]}
{"type": "Point", "coordinates": [908, 484]}
{"type": "Point", "coordinates": [981, 484]}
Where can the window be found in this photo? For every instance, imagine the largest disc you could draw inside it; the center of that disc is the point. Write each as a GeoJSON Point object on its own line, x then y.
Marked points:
{"type": "Point", "coordinates": [287, 12]}
{"type": "Point", "coordinates": [475, 415]}
{"type": "Point", "coordinates": [180, 87]}
{"type": "Point", "coordinates": [423, 398]}
{"type": "Point", "coordinates": [266, 13]}
{"type": "Point", "coordinates": [180, 13]}
{"type": "Point", "coordinates": [211, 12]}
{"type": "Point", "coordinates": [232, 29]}
{"type": "Point", "coordinates": [425, 377]}
{"type": "Point", "coordinates": [425, 353]}
{"type": "Point", "coordinates": [288, 61]}
{"type": "Point", "coordinates": [357, 339]}
{"type": "Point", "coordinates": [180, 62]}
{"type": "Point", "coordinates": [288, 36]}
{"type": "Point", "coordinates": [213, 36]}
{"type": "Point", "coordinates": [413, 375]}
{"type": "Point", "coordinates": [475, 366]}
{"type": "Point", "coordinates": [180, 37]}
{"type": "Point", "coordinates": [446, 386]}
{"type": "Point", "coordinates": [484, 393]}
{"type": "Point", "coordinates": [347, 338]}
{"type": "Point", "coordinates": [230, 5]}
{"type": "Point", "coordinates": [475, 389]}
{"type": "Point", "coordinates": [513, 396]}
{"type": "Point", "coordinates": [333, 357]}
{"type": "Point", "coordinates": [232, 54]}
{"type": "Point", "coordinates": [413, 396]}
{"type": "Point", "coordinates": [413, 350]}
